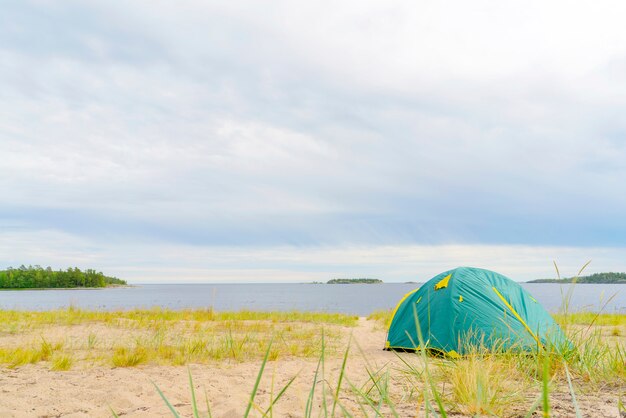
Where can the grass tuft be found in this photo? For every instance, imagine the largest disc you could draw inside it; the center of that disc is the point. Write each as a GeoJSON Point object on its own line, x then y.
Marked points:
{"type": "Point", "coordinates": [62, 361]}
{"type": "Point", "coordinates": [124, 357]}
{"type": "Point", "coordinates": [382, 317]}
{"type": "Point", "coordinates": [481, 385]}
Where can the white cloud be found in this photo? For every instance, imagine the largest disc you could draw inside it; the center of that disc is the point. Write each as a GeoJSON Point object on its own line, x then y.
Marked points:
{"type": "Point", "coordinates": [251, 125]}
{"type": "Point", "coordinates": [152, 262]}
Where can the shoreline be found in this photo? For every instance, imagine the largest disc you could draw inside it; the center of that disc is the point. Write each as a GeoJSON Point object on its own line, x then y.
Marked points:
{"type": "Point", "coordinates": [576, 283]}
{"type": "Point", "coordinates": [17, 289]}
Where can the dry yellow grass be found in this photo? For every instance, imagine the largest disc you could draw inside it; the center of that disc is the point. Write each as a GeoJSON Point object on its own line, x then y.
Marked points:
{"type": "Point", "coordinates": [159, 336]}
{"type": "Point", "coordinates": [480, 384]}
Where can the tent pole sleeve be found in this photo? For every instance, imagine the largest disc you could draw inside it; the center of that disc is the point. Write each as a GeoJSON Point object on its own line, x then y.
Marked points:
{"type": "Point", "coordinates": [393, 315]}
{"type": "Point", "coordinates": [519, 318]}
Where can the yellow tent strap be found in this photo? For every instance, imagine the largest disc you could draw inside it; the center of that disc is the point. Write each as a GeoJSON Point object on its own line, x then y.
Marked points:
{"type": "Point", "coordinates": [519, 318]}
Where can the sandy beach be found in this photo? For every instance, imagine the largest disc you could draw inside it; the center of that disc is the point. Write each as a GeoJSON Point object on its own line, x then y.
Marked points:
{"type": "Point", "coordinates": [92, 389]}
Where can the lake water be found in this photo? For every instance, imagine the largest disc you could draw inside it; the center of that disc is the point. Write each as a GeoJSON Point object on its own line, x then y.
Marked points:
{"type": "Point", "coordinates": [358, 299]}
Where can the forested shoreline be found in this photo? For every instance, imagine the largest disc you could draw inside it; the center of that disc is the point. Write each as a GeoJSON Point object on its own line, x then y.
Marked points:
{"type": "Point", "coordinates": [598, 278]}
{"type": "Point", "coordinates": [37, 277]}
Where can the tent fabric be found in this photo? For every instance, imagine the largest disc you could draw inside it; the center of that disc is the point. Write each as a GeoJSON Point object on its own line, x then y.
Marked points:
{"type": "Point", "coordinates": [468, 308]}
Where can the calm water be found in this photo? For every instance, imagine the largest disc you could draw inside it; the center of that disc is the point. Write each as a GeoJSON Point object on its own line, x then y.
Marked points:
{"type": "Point", "coordinates": [353, 298]}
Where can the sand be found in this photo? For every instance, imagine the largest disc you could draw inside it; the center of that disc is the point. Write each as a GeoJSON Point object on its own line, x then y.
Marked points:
{"type": "Point", "coordinates": [89, 391]}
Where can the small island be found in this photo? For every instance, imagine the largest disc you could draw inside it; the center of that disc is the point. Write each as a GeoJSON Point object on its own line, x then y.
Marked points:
{"type": "Point", "coordinates": [597, 278]}
{"type": "Point", "coordinates": [354, 281]}
{"type": "Point", "coordinates": [37, 277]}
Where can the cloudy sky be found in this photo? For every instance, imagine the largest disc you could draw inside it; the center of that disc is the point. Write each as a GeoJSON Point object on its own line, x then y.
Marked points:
{"type": "Point", "coordinates": [291, 141]}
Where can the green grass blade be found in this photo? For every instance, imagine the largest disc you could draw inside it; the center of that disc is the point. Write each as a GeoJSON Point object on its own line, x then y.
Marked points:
{"type": "Point", "coordinates": [208, 407]}
{"type": "Point", "coordinates": [533, 407]}
{"type": "Point", "coordinates": [324, 404]}
{"type": "Point", "coordinates": [113, 412]}
{"type": "Point", "coordinates": [279, 395]}
{"type": "Point", "coordinates": [597, 315]}
{"type": "Point", "coordinates": [271, 408]}
{"type": "Point", "coordinates": [386, 396]}
{"type": "Point", "coordinates": [571, 390]}
{"type": "Point", "coordinates": [411, 368]}
{"type": "Point", "coordinates": [356, 392]}
{"type": "Point", "coordinates": [368, 367]}
{"type": "Point", "coordinates": [381, 387]}
{"type": "Point", "coordinates": [558, 273]}
{"type": "Point", "coordinates": [339, 381]}
{"type": "Point", "coordinates": [309, 403]}
{"type": "Point", "coordinates": [376, 386]}
{"type": "Point", "coordinates": [366, 398]}
{"type": "Point", "coordinates": [429, 379]}
{"type": "Point", "coordinates": [194, 404]}
{"type": "Point", "coordinates": [583, 268]}
{"type": "Point", "coordinates": [442, 409]}
{"type": "Point", "coordinates": [258, 380]}
{"type": "Point", "coordinates": [169, 405]}
{"type": "Point", "coordinates": [545, 387]}
{"type": "Point", "coordinates": [345, 411]}
{"type": "Point", "coordinates": [374, 379]}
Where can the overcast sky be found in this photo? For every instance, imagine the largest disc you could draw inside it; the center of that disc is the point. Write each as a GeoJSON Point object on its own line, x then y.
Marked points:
{"type": "Point", "coordinates": [292, 141]}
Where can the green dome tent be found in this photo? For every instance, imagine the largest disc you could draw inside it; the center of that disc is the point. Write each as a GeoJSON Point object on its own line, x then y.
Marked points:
{"type": "Point", "coordinates": [465, 308]}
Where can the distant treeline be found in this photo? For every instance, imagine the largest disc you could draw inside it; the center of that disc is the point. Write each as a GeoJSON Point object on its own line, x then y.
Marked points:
{"type": "Point", "coordinates": [598, 278]}
{"type": "Point", "coordinates": [350, 281]}
{"type": "Point", "coordinates": [37, 277]}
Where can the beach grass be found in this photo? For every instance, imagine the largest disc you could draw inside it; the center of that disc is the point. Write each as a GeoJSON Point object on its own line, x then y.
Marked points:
{"type": "Point", "coordinates": [62, 361]}
{"type": "Point", "coordinates": [382, 317]}
{"type": "Point", "coordinates": [483, 385]}
{"type": "Point", "coordinates": [479, 384]}
{"type": "Point", "coordinates": [9, 319]}
{"type": "Point", "coordinates": [590, 318]}
{"type": "Point", "coordinates": [131, 338]}
{"type": "Point", "coordinates": [486, 384]}
{"type": "Point", "coordinates": [509, 384]}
